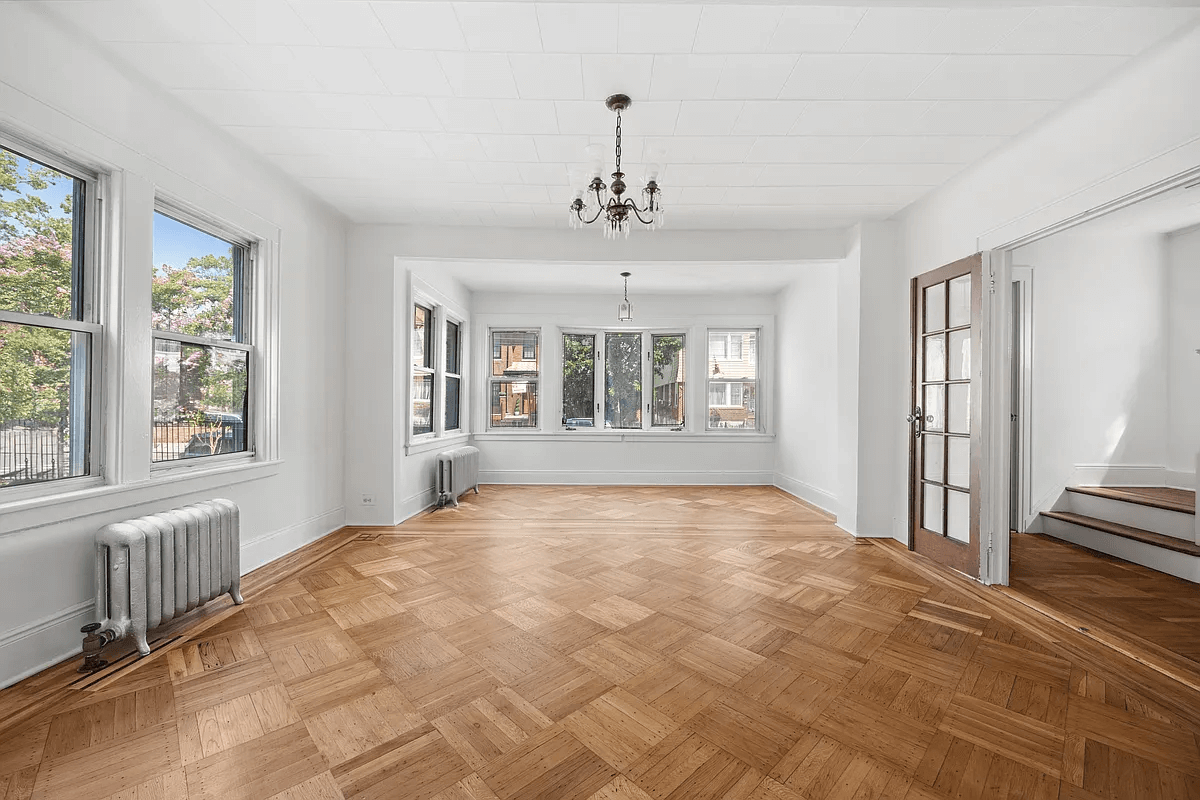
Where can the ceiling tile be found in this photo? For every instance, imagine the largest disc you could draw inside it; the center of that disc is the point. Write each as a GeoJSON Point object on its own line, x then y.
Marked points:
{"type": "Point", "coordinates": [495, 172]}
{"type": "Point", "coordinates": [973, 30]}
{"type": "Point", "coordinates": [578, 27]}
{"type": "Point", "coordinates": [183, 66]}
{"type": "Point", "coordinates": [421, 25]}
{"type": "Point", "coordinates": [479, 74]}
{"type": "Point", "coordinates": [500, 27]}
{"type": "Point", "coordinates": [342, 23]}
{"type": "Point", "coordinates": [526, 116]}
{"type": "Point", "coordinates": [1129, 31]}
{"type": "Point", "coordinates": [767, 117]}
{"type": "Point", "coordinates": [995, 117]}
{"type": "Point", "coordinates": [504, 147]}
{"type": "Point", "coordinates": [736, 28]}
{"type": "Point", "coordinates": [543, 173]}
{"type": "Point", "coordinates": [823, 195]}
{"type": "Point", "coordinates": [410, 72]}
{"type": "Point", "coordinates": [824, 76]}
{"type": "Point", "coordinates": [518, 193]}
{"type": "Point", "coordinates": [406, 113]}
{"type": "Point", "coordinates": [547, 77]}
{"type": "Point", "coordinates": [867, 117]}
{"type": "Point", "coordinates": [271, 68]}
{"type": "Point", "coordinates": [892, 76]}
{"type": "Point", "coordinates": [754, 77]}
{"type": "Point", "coordinates": [397, 145]}
{"type": "Point", "coordinates": [657, 28]}
{"type": "Point", "coordinates": [264, 21]}
{"type": "Point", "coordinates": [904, 174]}
{"type": "Point", "coordinates": [300, 141]}
{"type": "Point", "coordinates": [340, 69]}
{"type": "Point", "coordinates": [894, 30]}
{"type": "Point", "coordinates": [927, 149]}
{"type": "Point", "coordinates": [805, 149]}
{"type": "Point", "coordinates": [562, 149]}
{"type": "Point", "coordinates": [707, 117]}
{"type": "Point", "coordinates": [455, 146]}
{"type": "Point", "coordinates": [710, 175]}
{"type": "Point", "coordinates": [612, 74]}
{"type": "Point", "coordinates": [1015, 77]}
{"type": "Point", "coordinates": [192, 22]}
{"type": "Point", "coordinates": [702, 149]}
{"type": "Point", "coordinates": [461, 115]}
{"type": "Point", "coordinates": [686, 77]}
{"type": "Point", "coordinates": [814, 29]}
{"type": "Point", "coordinates": [808, 174]}
{"type": "Point", "coordinates": [1052, 30]}
{"type": "Point", "coordinates": [590, 118]}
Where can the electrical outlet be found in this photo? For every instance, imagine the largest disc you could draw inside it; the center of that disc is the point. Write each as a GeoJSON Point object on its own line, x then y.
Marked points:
{"type": "Point", "coordinates": [368, 499]}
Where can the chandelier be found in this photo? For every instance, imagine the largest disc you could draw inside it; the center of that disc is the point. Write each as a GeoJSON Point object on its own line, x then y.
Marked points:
{"type": "Point", "coordinates": [616, 210]}
{"type": "Point", "coordinates": [625, 308]}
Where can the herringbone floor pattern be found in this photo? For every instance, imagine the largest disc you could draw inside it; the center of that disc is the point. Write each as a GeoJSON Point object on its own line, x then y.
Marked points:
{"type": "Point", "coordinates": [606, 644]}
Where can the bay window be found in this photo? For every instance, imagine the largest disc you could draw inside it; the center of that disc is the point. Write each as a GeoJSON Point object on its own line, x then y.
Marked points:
{"type": "Point", "coordinates": [640, 377]}
{"type": "Point", "coordinates": [732, 375]}
{"type": "Point", "coordinates": [513, 379]}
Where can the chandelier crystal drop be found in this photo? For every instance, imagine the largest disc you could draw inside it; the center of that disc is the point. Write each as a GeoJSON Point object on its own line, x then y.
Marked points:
{"type": "Point", "coordinates": [616, 210]}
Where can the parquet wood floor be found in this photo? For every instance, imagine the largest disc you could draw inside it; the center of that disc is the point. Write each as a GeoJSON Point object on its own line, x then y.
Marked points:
{"type": "Point", "coordinates": [575, 643]}
{"type": "Point", "coordinates": [1148, 608]}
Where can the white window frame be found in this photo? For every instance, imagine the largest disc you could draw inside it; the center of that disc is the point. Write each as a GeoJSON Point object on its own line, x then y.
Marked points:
{"type": "Point", "coordinates": [599, 373]}
{"type": "Point", "coordinates": [432, 325]}
{"type": "Point", "coordinates": [93, 276]}
{"type": "Point", "coordinates": [443, 311]}
{"type": "Point", "coordinates": [728, 332]}
{"type": "Point", "coordinates": [253, 324]}
{"type": "Point", "coordinates": [491, 380]}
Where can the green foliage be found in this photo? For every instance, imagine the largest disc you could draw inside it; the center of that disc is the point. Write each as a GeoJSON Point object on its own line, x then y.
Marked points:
{"type": "Point", "coordinates": [197, 299]}
{"type": "Point", "coordinates": [579, 387]}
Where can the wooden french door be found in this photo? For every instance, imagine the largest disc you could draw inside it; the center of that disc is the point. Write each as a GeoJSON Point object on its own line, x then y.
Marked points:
{"type": "Point", "coordinates": [944, 479]}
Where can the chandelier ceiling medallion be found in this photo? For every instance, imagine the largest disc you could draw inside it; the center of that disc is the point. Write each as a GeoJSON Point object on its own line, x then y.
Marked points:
{"type": "Point", "coordinates": [617, 210]}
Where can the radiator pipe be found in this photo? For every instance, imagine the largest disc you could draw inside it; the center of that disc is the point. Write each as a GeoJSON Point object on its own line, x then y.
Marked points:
{"type": "Point", "coordinates": [93, 644]}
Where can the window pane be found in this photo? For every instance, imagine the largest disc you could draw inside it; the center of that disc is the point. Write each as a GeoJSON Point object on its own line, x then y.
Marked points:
{"type": "Point", "coordinates": [732, 356]}
{"type": "Point", "coordinates": [935, 307]}
{"type": "Point", "coordinates": [623, 380]}
{"type": "Point", "coordinates": [958, 516]}
{"type": "Point", "coordinates": [422, 395]}
{"type": "Point", "coordinates": [43, 404]}
{"type": "Point", "coordinates": [199, 400]}
{"type": "Point", "coordinates": [579, 380]}
{"type": "Point", "coordinates": [716, 345]}
{"type": "Point", "coordinates": [670, 358]}
{"type": "Point", "coordinates": [39, 226]}
{"type": "Point", "coordinates": [514, 353]}
{"type": "Point", "coordinates": [452, 347]}
{"type": "Point", "coordinates": [514, 404]}
{"type": "Point", "coordinates": [452, 387]}
{"type": "Point", "coordinates": [196, 276]}
{"type": "Point", "coordinates": [732, 405]}
{"type": "Point", "coordinates": [960, 301]}
{"type": "Point", "coordinates": [422, 341]}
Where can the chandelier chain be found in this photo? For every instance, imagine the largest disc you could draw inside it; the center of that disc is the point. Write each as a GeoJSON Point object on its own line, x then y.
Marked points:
{"type": "Point", "coordinates": [618, 140]}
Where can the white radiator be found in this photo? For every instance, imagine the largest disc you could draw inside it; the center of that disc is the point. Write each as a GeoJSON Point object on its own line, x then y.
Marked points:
{"type": "Point", "coordinates": [152, 569]}
{"type": "Point", "coordinates": [457, 471]}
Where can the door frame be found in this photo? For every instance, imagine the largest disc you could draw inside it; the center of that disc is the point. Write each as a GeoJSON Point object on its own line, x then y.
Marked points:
{"type": "Point", "coordinates": [995, 545]}
{"type": "Point", "coordinates": [1023, 278]}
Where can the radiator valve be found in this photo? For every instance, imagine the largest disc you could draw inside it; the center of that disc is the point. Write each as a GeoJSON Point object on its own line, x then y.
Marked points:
{"type": "Point", "coordinates": [93, 643]}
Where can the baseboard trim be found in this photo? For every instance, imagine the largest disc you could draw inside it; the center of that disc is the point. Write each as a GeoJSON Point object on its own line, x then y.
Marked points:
{"type": "Point", "coordinates": [416, 504]}
{"type": "Point", "coordinates": [646, 477]}
{"type": "Point", "coordinates": [807, 492]}
{"type": "Point", "coordinates": [1131, 475]}
{"type": "Point", "coordinates": [277, 544]}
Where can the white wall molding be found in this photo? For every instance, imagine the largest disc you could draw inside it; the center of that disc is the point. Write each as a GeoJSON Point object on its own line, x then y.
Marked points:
{"type": "Point", "coordinates": [44, 642]}
{"type": "Point", "coordinates": [266, 549]}
{"type": "Point", "coordinates": [807, 492]}
{"type": "Point", "coordinates": [578, 477]}
{"type": "Point", "coordinates": [414, 504]}
{"type": "Point", "coordinates": [1130, 475]}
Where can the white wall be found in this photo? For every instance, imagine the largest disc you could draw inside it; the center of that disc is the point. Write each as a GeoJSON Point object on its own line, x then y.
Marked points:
{"type": "Point", "coordinates": [806, 422]}
{"type": "Point", "coordinates": [101, 115]}
{"type": "Point", "coordinates": [1141, 127]}
{"type": "Point", "coordinates": [1099, 388]}
{"type": "Point", "coordinates": [638, 457]}
{"type": "Point", "coordinates": [1183, 340]}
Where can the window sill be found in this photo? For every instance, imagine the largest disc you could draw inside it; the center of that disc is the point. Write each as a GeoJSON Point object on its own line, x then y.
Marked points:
{"type": "Point", "coordinates": [426, 444]}
{"type": "Point", "coordinates": [32, 512]}
{"type": "Point", "coordinates": [625, 436]}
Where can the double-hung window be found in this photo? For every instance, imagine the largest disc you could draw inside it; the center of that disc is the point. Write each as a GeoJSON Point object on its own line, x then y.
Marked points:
{"type": "Point", "coordinates": [423, 370]}
{"type": "Point", "coordinates": [732, 379]}
{"type": "Point", "coordinates": [436, 362]}
{"type": "Point", "coordinates": [49, 335]}
{"type": "Point", "coordinates": [513, 379]}
{"type": "Point", "coordinates": [623, 380]}
{"type": "Point", "coordinates": [453, 376]}
{"type": "Point", "coordinates": [200, 308]}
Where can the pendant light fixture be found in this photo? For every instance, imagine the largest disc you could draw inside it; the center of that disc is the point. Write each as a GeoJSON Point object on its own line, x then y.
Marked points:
{"type": "Point", "coordinates": [625, 308]}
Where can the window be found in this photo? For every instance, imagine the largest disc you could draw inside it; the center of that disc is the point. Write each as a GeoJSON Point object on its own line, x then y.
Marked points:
{"type": "Point", "coordinates": [617, 371]}
{"type": "Point", "coordinates": [423, 369]}
{"type": "Point", "coordinates": [579, 380]}
{"type": "Point", "coordinates": [513, 382]}
{"type": "Point", "coordinates": [668, 380]}
{"type": "Point", "coordinates": [453, 374]}
{"type": "Point", "coordinates": [202, 353]}
{"type": "Point", "coordinates": [48, 330]}
{"type": "Point", "coordinates": [732, 379]}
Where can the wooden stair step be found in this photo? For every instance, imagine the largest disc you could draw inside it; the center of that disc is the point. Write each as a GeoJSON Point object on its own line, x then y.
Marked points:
{"type": "Point", "coordinates": [1126, 532]}
{"type": "Point", "coordinates": [1164, 497]}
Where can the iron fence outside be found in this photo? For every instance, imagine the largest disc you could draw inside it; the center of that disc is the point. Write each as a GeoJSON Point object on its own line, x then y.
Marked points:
{"type": "Point", "coordinates": [175, 440]}
{"type": "Point", "coordinates": [32, 451]}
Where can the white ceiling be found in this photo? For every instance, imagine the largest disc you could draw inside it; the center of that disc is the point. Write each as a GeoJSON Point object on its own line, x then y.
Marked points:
{"type": "Point", "coordinates": [479, 113]}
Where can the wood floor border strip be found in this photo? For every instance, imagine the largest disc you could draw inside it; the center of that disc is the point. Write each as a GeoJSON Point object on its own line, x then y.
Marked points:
{"type": "Point", "coordinates": [1135, 675]}
{"type": "Point", "coordinates": [52, 686]}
